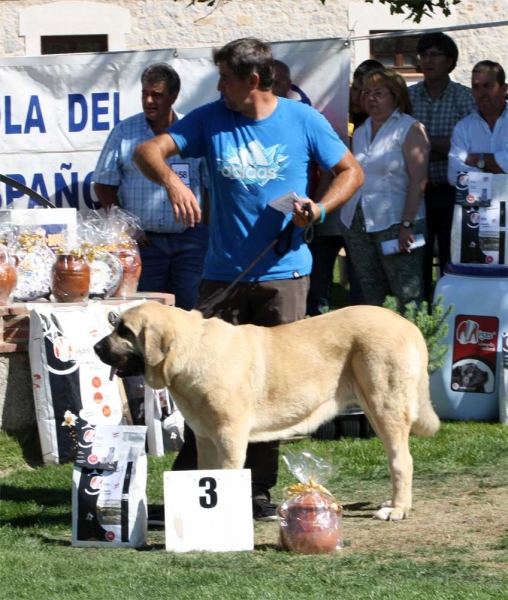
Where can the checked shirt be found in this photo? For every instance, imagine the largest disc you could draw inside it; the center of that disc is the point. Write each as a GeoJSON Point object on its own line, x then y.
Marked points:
{"type": "Point", "coordinates": [440, 116]}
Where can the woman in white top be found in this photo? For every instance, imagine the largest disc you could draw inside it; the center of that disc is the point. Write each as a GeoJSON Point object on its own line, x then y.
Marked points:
{"type": "Point", "coordinates": [393, 150]}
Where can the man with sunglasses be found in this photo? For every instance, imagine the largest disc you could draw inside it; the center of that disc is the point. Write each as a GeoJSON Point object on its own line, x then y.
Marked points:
{"type": "Point", "coordinates": [439, 103]}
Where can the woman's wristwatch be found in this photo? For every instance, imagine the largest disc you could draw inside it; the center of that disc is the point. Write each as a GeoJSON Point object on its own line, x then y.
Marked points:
{"type": "Point", "coordinates": [406, 224]}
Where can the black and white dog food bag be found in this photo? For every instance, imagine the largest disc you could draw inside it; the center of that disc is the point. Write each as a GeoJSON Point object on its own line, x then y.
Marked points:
{"type": "Point", "coordinates": [109, 507]}
{"type": "Point", "coordinates": [71, 385]}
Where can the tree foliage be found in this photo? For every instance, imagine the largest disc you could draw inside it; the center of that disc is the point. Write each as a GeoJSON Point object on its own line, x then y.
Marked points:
{"type": "Point", "coordinates": [416, 8]}
{"type": "Point", "coordinates": [433, 325]}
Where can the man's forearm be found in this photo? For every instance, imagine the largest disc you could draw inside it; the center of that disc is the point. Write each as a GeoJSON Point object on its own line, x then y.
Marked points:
{"type": "Point", "coordinates": [492, 166]}
{"type": "Point", "coordinates": [107, 195]}
{"type": "Point", "coordinates": [150, 157]}
{"type": "Point", "coordinates": [150, 161]}
{"type": "Point", "coordinates": [342, 187]}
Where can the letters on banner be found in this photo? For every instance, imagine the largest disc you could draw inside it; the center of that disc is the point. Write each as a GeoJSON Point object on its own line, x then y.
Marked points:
{"type": "Point", "coordinates": [57, 111]}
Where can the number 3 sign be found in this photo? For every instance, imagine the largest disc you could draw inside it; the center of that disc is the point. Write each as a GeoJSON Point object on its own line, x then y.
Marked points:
{"type": "Point", "coordinates": [208, 510]}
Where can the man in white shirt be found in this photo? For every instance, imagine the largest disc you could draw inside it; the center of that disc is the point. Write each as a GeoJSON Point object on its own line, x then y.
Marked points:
{"type": "Point", "coordinates": [480, 140]}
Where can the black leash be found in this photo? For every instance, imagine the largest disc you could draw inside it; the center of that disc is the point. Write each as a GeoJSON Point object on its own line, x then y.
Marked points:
{"type": "Point", "coordinates": [281, 244]}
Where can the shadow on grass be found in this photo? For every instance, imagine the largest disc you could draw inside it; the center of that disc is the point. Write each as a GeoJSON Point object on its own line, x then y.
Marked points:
{"type": "Point", "coordinates": [367, 510]}
{"type": "Point", "coordinates": [29, 443]}
{"type": "Point", "coordinates": [54, 542]}
{"type": "Point", "coordinates": [41, 518]}
{"type": "Point", "coordinates": [43, 496]}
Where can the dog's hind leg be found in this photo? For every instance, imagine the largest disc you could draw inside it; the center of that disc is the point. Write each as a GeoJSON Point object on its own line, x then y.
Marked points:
{"type": "Point", "coordinates": [393, 431]}
{"type": "Point", "coordinates": [400, 462]}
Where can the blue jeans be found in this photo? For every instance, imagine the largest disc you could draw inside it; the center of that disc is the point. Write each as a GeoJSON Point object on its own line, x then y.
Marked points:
{"type": "Point", "coordinates": [173, 263]}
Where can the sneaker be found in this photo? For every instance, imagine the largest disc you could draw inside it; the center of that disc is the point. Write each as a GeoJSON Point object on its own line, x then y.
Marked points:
{"type": "Point", "coordinates": [156, 516]}
{"type": "Point", "coordinates": [264, 510]}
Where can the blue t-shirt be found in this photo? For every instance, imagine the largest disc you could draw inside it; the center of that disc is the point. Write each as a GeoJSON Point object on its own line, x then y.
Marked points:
{"type": "Point", "coordinates": [251, 162]}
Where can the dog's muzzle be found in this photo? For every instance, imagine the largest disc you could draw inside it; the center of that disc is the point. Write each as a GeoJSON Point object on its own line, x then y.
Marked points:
{"type": "Point", "coordinates": [122, 364]}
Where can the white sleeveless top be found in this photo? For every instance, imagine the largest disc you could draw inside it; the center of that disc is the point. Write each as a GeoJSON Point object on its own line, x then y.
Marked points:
{"type": "Point", "coordinates": [383, 194]}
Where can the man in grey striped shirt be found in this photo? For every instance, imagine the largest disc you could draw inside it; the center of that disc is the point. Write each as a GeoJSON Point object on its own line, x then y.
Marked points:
{"type": "Point", "coordinates": [439, 103]}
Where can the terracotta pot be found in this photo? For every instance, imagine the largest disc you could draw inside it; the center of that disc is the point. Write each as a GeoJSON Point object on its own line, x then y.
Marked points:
{"type": "Point", "coordinates": [310, 525]}
{"type": "Point", "coordinates": [131, 263]}
{"type": "Point", "coordinates": [8, 275]}
{"type": "Point", "coordinates": [71, 278]}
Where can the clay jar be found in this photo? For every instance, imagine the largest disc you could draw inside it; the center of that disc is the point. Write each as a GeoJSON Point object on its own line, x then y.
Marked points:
{"type": "Point", "coordinates": [131, 263]}
{"type": "Point", "coordinates": [8, 275]}
{"type": "Point", "coordinates": [311, 524]}
{"type": "Point", "coordinates": [71, 278]}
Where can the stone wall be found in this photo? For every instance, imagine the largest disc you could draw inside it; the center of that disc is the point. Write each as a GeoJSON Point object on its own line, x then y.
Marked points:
{"type": "Point", "coordinates": [166, 23]}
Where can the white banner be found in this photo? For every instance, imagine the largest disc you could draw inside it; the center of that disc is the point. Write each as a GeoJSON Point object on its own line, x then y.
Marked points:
{"type": "Point", "coordinates": [57, 111]}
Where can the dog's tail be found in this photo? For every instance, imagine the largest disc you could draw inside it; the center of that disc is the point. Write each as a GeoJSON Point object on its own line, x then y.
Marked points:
{"type": "Point", "coordinates": [427, 422]}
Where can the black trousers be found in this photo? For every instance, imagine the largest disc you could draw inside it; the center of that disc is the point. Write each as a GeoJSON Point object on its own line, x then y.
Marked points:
{"type": "Point", "coordinates": [439, 205]}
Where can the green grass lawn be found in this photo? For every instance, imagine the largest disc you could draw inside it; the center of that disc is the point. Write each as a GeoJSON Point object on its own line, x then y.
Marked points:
{"type": "Point", "coordinates": [454, 545]}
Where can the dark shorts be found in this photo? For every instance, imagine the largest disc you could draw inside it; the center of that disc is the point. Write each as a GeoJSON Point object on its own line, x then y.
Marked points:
{"type": "Point", "coordinates": [265, 303]}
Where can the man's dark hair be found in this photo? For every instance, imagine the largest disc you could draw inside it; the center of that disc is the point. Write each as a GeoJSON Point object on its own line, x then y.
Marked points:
{"type": "Point", "coordinates": [162, 72]}
{"type": "Point", "coordinates": [442, 42]}
{"type": "Point", "coordinates": [285, 68]}
{"type": "Point", "coordinates": [247, 56]}
{"type": "Point", "coordinates": [488, 65]}
{"type": "Point", "coordinates": [367, 65]}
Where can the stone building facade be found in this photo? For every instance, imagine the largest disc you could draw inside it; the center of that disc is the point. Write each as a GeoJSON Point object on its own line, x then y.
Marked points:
{"type": "Point", "coordinates": [151, 24]}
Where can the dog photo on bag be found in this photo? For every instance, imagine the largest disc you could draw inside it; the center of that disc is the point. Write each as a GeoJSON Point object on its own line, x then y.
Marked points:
{"type": "Point", "coordinates": [236, 384]}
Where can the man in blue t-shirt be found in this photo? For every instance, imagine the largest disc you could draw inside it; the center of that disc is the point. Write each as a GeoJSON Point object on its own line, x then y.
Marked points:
{"type": "Point", "coordinates": [257, 147]}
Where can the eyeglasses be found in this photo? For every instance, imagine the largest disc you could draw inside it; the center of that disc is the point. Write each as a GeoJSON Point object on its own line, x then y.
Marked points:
{"type": "Point", "coordinates": [432, 55]}
{"type": "Point", "coordinates": [377, 95]}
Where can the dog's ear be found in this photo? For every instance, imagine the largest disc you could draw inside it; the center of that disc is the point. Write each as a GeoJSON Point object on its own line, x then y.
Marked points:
{"type": "Point", "coordinates": [155, 344]}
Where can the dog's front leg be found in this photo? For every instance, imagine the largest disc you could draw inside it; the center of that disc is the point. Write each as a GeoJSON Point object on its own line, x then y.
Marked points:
{"type": "Point", "coordinates": [207, 453]}
{"type": "Point", "coordinates": [232, 447]}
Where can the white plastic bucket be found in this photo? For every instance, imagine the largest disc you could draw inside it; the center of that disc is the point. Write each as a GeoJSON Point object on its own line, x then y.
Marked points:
{"type": "Point", "coordinates": [468, 385]}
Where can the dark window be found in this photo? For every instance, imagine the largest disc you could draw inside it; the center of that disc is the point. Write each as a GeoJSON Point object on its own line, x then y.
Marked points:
{"type": "Point", "coordinates": [396, 52]}
{"type": "Point", "coordinates": [70, 44]}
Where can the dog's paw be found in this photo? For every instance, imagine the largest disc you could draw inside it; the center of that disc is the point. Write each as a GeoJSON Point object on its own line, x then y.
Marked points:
{"type": "Point", "coordinates": [385, 504]}
{"type": "Point", "coordinates": [387, 513]}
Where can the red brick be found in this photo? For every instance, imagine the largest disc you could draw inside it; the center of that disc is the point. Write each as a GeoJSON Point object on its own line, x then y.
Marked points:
{"type": "Point", "coordinates": [16, 333]}
{"type": "Point", "coordinates": [15, 320]}
{"type": "Point", "coordinates": [9, 348]}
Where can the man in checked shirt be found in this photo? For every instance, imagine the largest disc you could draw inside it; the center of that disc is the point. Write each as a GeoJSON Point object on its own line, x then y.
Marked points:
{"type": "Point", "coordinates": [172, 255]}
{"type": "Point", "coordinates": [439, 103]}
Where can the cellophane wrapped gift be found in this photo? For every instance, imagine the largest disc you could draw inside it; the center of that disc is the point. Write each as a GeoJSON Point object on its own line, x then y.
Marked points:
{"type": "Point", "coordinates": [34, 265]}
{"type": "Point", "coordinates": [70, 281]}
{"type": "Point", "coordinates": [121, 230]}
{"type": "Point", "coordinates": [310, 517]}
{"type": "Point", "coordinates": [106, 271]}
{"type": "Point", "coordinates": [8, 275]}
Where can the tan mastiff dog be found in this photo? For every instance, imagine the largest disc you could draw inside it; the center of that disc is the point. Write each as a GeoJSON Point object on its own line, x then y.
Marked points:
{"type": "Point", "coordinates": [240, 384]}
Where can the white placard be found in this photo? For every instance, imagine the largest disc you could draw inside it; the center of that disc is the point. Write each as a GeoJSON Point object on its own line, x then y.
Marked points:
{"type": "Point", "coordinates": [208, 510]}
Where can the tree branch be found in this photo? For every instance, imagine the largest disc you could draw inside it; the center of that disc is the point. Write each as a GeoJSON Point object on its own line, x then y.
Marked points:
{"type": "Point", "coordinates": [417, 8]}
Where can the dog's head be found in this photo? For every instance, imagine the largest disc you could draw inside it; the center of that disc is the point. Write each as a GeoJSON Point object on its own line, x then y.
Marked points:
{"type": "Point", "coordinates": [140, 341]}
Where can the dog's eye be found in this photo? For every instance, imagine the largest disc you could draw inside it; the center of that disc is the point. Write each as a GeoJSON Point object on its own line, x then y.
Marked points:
{"type": "Point", "coordinates": [122, 331]}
